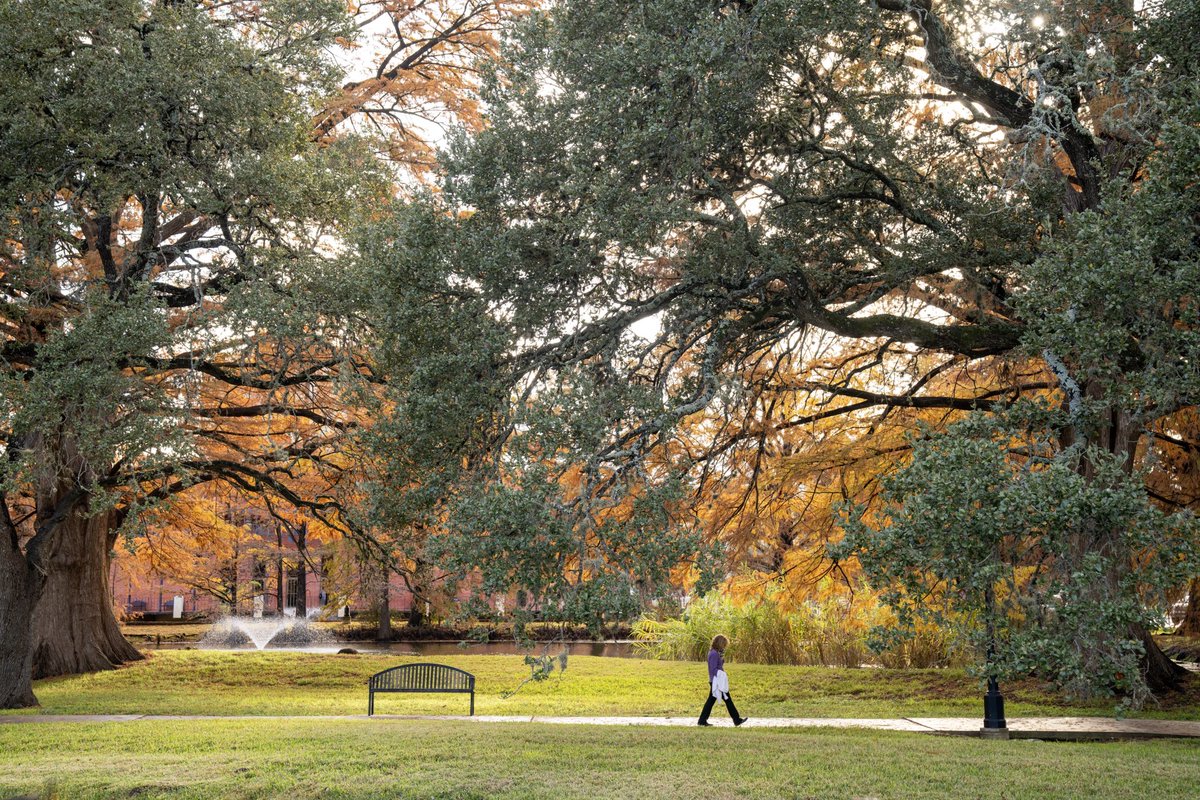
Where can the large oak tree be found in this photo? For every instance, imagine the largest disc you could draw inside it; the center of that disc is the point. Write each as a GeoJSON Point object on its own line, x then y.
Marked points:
{"type": "Point", "coordinates": [668, 190]}
{"type": "Point", "coordinates": [175, 176]}
{"type": "Point", "coordinates": [164, 204]}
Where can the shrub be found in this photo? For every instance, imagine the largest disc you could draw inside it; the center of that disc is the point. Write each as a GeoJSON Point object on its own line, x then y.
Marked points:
{"type": "Point", "coordinates": [832, 632]}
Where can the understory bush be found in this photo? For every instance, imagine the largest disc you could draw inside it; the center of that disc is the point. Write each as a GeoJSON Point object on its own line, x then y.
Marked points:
{"type": "Point", "coordinates": [832, 632]}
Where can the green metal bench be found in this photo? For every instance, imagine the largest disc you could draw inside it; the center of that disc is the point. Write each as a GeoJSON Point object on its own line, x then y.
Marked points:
{"type": "Point", "coordinates": [421, 678]}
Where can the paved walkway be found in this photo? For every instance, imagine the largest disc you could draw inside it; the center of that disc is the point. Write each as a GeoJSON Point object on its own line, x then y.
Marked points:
{"type": "Point", "coordinates": [1059, 728]}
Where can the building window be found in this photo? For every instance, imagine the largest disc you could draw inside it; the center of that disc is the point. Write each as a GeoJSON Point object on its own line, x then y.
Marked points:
{"type": "Point", "coordinates": [293, 591]}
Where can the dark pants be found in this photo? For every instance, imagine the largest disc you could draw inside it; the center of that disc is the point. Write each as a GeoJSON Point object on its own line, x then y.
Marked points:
{"type": "Point", "coordinates": [708, 707]}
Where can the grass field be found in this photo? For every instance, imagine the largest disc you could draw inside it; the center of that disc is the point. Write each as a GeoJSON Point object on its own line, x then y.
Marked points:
{"type": "Point", "coordinates": [300, 759]}
{"type": "Point", "coordinates": [265, 682]}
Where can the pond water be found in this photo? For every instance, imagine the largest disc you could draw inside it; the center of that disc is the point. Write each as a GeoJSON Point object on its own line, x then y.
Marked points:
{"type": "Point", "coordinates": [609, 649]}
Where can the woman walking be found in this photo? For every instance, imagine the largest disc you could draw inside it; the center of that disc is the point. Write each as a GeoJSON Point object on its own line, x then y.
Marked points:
{"type": "Point", "coordinates": [718, 683]}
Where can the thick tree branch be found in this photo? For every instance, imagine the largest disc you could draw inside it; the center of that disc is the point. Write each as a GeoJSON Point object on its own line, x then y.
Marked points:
{"type": "Point", "coordinates": [954, 69]}
{"type": "Point", "coordinates": [234, 375]}
{"type": "Point", "coordinates": [46, 528]}
{"type": "Point", "coordinates": [923, 401]}
{"type": "Point", "coordinates": [976, 341]}
{"type": "Point", "coordinates": [269, 410]}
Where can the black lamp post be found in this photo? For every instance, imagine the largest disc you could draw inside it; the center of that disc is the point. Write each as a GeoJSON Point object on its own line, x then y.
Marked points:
{"type": "Point", "coordinates": [994, 724]}
{"type": "Point", "coordinates": [993, 710]}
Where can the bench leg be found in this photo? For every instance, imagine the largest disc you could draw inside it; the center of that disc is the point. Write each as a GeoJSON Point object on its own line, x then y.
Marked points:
{"type": "Point", "coordinates": [371, 704]}
{"type": "Point", "coordinates": [472, 704]}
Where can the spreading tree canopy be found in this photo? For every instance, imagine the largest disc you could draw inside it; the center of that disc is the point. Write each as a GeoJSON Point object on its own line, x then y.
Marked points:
{"type": "Point", "coordinates": [164, 204]}
{"type": "Point", "coordinates": [666, 191]}
{"type": "Point", "coordinates": [175, 179]}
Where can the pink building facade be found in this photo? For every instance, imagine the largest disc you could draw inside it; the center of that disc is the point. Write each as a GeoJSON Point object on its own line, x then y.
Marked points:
{"type": "Point", "coordinates": [135, 594]}
{"type": "Point", "coordinates": [272, 569]}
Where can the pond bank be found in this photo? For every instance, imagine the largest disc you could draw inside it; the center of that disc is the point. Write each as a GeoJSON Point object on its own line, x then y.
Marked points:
{"type": "Point", "coordinates": [607, 649]}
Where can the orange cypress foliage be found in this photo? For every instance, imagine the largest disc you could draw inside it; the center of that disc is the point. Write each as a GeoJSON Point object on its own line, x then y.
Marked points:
{"type": "Point", "coordinates": [822, 426]}
{"type": "Point", "coordinates": [194, 540]}
{"type": "Point", "coordinates": [280, 451]}
{"type": "Point", "coordinates": [421, 62]}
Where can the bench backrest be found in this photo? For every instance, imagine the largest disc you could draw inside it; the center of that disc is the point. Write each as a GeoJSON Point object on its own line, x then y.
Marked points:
{"type": "Point", "coordinates": [423, 678]}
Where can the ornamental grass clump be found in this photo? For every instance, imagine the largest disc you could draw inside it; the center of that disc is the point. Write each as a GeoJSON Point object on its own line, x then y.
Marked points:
{"type": "Point", "coordinates": [687, 638]}
{"type": "Point", "coordinates": [832, 632]}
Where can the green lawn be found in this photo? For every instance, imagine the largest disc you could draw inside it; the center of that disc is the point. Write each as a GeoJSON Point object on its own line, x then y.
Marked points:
{"type": "Point", "coordinates": [252, 682]}
{"type": "Point", "coordinates": [298, 759]}
{"type": "Point", "coordinates": [301, 758]}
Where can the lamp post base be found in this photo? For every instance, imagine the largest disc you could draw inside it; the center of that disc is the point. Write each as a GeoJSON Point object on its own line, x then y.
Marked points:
{"type": "Point", "coordinates": [993, 707]}
{"type": "Point", "coordinates": [993, 733]}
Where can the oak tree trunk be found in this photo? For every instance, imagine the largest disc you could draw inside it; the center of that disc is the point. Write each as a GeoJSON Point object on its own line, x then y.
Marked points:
{"type": "Point", "coordinates": [74, 628]}
{"type": "Point", "coordinates": [19, 587]}
{"type": "Point", "coordinates": [1190, 625]}
{"type": "Point", "coordinates": [1162, 673]}
{"type": "Point", "coordinates": [1119, 433]}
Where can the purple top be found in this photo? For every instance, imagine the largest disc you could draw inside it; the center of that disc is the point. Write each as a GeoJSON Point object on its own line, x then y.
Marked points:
{"type": "Point", "coordinates": [716, 661]}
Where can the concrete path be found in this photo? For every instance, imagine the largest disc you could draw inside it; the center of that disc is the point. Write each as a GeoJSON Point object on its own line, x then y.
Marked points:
{"type": "Point", "coordinates": [1056, 728]}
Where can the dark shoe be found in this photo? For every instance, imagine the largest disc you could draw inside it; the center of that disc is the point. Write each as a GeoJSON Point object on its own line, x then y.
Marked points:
{"type": "Point", "coordinates": [738, 722]}
{"type": "Point", "coordinates": [704, 724]}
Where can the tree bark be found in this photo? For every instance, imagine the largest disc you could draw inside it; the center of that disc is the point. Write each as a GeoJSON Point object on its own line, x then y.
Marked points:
{"type": "Point", "coordinates": [384, 633]}
{"type": "Point", "coordinates": [73, 627]}
{"type": "Point", "coordinates": [1162, 674]}
{"type": "Point", "coordinates": [300, 537]}
{"type": "Point", "coordinates": [19, 587]}
{"type": "Point", "coordinates": [280, 577]}
{"type": "Point", "coordinates": [231, 582]}
{"type": "Point", "coordinates": [417, 582]}
{"type": "Point", "coordinates": [1190, 625]}
{"type": "Point", "coordinates": [1118, 433]}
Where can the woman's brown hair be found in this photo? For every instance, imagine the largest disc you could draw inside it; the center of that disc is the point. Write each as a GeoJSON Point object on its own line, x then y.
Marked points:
{"type": "Point", "coordinates": [720, 642]}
